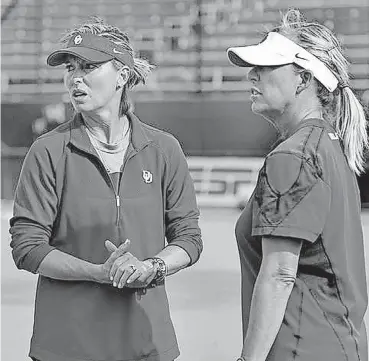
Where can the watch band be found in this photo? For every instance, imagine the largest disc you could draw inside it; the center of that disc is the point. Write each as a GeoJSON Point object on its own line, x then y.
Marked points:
{"type": "Point", "coordinates": [161, 270]}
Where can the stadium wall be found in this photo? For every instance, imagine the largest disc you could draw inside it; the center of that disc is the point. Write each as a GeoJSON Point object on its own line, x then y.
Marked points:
{"type": "Point", "coordinates": [225, 144]}
{"type": "Point", "coordinates": [207, 130]}
{"type": "Point", "coordinates": [213, 128]}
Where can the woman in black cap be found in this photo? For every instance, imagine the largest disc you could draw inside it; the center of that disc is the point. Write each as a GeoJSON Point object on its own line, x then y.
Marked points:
{"type": "Point", "coordinates": [97, 199]}
{"type": "Point", "coordinates": [300, 238]}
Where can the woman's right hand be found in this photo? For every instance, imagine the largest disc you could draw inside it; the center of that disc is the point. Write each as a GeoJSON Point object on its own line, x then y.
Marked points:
{"type": "Point", "coordinates": [103, 270]}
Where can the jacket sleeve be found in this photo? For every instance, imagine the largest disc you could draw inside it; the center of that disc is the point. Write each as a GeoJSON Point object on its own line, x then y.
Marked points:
{"type": "Point", "coordinates": [35, 207]}
{"type": "Point", "coordinates": [181, 212]}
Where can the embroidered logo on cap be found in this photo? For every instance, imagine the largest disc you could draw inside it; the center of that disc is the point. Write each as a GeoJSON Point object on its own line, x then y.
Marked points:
{"type": "Point", "coordinates": [78, 40]}
{"type": "Point", "coordinates": [333, 136]}
{"type": "Point", "coordinates": [147, 176]}
{"type": "Point", "coordinates": [298, 56]}
{"type": "Point", "coordinates": [117, 52]}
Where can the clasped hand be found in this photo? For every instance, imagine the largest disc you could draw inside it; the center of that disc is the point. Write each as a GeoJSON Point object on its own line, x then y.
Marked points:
{"type": "Point", "coordinates": [124, 269]}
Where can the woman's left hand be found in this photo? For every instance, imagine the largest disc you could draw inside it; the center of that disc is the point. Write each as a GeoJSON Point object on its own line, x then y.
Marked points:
{"type": "Point", "coordinates": [128, 271]}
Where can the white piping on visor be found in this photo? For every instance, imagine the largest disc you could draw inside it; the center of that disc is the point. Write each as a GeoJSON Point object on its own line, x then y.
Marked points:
{"type": "Point", "coordinates": [276, 49]}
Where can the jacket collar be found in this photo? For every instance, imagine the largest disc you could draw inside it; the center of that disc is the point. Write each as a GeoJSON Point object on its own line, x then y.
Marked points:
{"type": "Point", "coordinates": [313, 122]}
{"type": "Point", "coordinates": [304, 123]}
{"type": "Point", "coordinates": [78, 135]}
{"type": "Point", "coordinates": [140, 137]}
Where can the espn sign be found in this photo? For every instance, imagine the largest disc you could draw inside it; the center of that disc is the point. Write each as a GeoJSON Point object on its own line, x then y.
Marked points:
{"type": "Point", "coordinates": [224, 181]}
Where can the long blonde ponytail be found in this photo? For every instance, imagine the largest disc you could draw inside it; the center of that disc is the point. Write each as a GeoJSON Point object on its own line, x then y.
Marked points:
{"type": "Point", "coordinates": [352, 128]}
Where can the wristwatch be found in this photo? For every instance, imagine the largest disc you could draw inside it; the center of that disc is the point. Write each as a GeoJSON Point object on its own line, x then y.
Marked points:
{"type": "Point", "coordinates": [161, 271]}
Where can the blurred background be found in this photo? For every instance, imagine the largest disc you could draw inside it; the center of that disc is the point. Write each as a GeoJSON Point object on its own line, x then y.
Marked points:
{"type": "Point", "coordinates": [195, 94]}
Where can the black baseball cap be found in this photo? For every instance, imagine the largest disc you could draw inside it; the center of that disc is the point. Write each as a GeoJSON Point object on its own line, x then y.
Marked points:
{"type": "Point", "coordinates": [91, 48]}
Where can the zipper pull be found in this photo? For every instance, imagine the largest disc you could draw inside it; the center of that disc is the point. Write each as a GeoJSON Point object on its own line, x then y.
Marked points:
{"type": "Point", "coordinates": [118, 200]}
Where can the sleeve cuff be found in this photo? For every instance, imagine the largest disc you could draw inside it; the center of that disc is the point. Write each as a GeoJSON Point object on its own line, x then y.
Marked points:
{"type": "Point", "coordinates": [190, 248]}
{"type": "Point", "coordinates": [33, 259]}
{"type": "Point", "coordinates": [286, 232]}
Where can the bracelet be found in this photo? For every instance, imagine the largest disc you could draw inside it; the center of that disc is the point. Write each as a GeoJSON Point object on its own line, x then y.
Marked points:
{"type": "Point", "coordinates": [241, 359]}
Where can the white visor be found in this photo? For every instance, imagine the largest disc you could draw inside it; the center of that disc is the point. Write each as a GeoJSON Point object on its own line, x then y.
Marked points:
{"type": "Point", "coordinates": [276, 49]}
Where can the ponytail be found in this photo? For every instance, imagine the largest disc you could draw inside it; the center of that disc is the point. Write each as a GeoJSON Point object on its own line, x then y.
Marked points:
{"type": "Point", "coordinates": [351, 126]}
{"type": "Point", "coordinates": [140, 72]}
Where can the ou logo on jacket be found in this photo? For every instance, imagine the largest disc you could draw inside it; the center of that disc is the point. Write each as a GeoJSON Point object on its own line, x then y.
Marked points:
{"type": "Point", "coordinates": [147, 176]}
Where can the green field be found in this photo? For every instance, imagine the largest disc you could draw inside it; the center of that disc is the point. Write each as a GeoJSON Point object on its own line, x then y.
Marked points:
{"type": "Point", "coordinates": [205, 299]}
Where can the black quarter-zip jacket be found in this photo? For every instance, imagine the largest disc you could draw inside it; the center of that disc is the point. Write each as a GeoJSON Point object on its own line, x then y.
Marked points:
{"type": "Point", "coordinates": [65, 200]}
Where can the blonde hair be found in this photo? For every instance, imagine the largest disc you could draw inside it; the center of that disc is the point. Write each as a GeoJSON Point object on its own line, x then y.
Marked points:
{"type": "Point", "coordinates": [142, 68]}
{"type": "Point", "coordinates": [341, 108]}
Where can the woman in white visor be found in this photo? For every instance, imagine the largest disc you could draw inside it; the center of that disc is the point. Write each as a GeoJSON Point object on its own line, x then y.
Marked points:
{"type": "Point", "coordinates": [300, 238]}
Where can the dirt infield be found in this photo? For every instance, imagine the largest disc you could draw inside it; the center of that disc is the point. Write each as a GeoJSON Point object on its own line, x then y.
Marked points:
{"type": "Point", "coordinates": [205, 299]}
